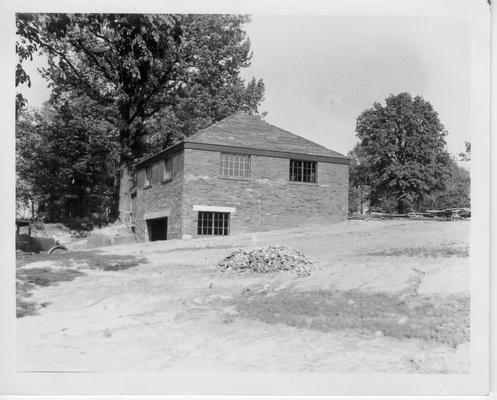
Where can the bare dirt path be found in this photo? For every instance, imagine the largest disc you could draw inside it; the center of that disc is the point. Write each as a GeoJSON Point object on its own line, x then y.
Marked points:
{"type": "Point", "coordinates": [163, 305]}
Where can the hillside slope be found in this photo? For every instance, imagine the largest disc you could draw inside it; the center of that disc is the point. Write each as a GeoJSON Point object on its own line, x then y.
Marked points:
{"type": "Point", "coordinates": [390, 296]}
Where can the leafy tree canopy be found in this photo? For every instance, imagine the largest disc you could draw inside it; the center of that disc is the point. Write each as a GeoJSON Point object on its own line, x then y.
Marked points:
{"type": "Point", "coordinates": [123, 86]}
{"type": "Point", "coordinates": [359, 189]}
{"type": "Point", "coordinates": [66, 159]}
{"type": "Point", "coordinates": [457, 191]}
{"type": "Point", "coordinates": [173, 72]}
{"type": "Point", "coordinates": [466, 154]}
{"type": "Point", "coordinates": [402, 151]}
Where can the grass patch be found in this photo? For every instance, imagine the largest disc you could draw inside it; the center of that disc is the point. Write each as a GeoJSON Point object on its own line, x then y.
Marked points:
{"type": "Point", "coordinates": [116, 266]}
{"type": "Point", "coordinates": [30, 278]}
{"type": "Point", "coordinates": [434, 252]}
{"type": "Point", "coordinates": [46, 276]}
{"type": "Point", "coordinates": [93, 259]}
{"type": "Point", "coordinates": [24, 288]}
{"type": "Point", "coordinates": [444, 320]}
{"type": "Point", "coordinates": [25, 308]}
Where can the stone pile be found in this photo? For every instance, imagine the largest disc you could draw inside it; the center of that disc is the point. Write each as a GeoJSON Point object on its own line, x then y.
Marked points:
{"type": "Point", "coordinates": [267, 259]}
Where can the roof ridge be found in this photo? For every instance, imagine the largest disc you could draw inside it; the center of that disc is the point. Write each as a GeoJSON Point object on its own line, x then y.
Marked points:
{"type": "Point", "coordinates": [216, 123]}
{"type": "Point", "coordinates": [217, 131]}
{"type": "Point", "coordinates": [294, 134]}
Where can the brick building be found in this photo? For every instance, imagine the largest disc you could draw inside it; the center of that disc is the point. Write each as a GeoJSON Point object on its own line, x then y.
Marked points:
{"type": "Point", "coordinates": [238, 175]}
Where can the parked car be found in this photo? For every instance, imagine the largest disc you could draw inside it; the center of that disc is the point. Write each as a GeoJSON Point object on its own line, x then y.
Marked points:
{"type": "Point", "coordinates": [30, 244]}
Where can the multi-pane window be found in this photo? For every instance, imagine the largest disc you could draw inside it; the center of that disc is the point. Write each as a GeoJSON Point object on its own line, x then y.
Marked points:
{"type": "Point", "coordinates": [303, 171]}
{"type": "Point", "coordinates": [234, 165]}
{"type": "Point", "coordinates": [148, 176]}
{"type": "Point", "coordinates": [213, 223]}
{"type": "Point", "coordinates": [167, 172]}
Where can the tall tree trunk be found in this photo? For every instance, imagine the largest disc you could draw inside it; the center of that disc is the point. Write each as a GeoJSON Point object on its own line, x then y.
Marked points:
{"type": "Point", "coordinates": [114, 206]}
{"type": "Point", "coordinates": [360, 200]}
{"type": "Point", "coordinates": [402, 206]}
{"type": "Point", "coordinates": [88, 210]}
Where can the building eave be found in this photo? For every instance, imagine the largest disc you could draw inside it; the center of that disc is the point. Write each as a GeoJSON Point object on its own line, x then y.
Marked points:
{"type": "Point", "coordinates": [267, 153]}
{"type": "Point", "coordinates": [161, 154]}
{"type": "Point", "coordinates": [241, 150]}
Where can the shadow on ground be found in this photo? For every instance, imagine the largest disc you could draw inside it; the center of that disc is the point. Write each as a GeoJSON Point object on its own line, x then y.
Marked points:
{"type": "Point", "coordinates": [435, 252]}
{"type": "Point", "coordinates": [443, 320]}
{"type": "Point", "coordinates": [66, 267]}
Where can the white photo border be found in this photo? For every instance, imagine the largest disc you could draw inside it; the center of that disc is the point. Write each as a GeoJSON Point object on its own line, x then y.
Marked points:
{"type": "Point", "coordinates": [476, 383]}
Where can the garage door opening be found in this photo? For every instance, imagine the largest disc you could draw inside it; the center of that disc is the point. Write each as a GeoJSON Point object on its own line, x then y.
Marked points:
{"type": "Point", "coordinates": [157, 229]}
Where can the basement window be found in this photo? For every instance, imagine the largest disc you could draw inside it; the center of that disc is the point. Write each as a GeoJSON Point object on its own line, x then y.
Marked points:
{"type": "Point", "coordinates": [148, 176]}
{"type": "Point", "coordinates": [213, 223]}
{"type": "Point", "coordinates": [167, 172]}
{"type": "Point", "coordinates": [303, 171]}
{"type": "Point", "coordinates": [234, 165]}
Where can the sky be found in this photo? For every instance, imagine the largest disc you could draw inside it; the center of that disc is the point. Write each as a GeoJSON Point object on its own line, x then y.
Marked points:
{"type": "Point", "coordinates": [322, 71]}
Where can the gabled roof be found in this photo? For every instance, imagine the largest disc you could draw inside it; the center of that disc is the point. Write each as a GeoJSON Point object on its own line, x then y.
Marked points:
{"type": "Point", "coordinates": [243, 130]}
{"type": "Point", "coordinates": [243, 133]}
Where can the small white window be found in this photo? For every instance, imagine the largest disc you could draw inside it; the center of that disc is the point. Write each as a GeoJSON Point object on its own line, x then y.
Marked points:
{"type": "Point", "coordinates": [167, 172]}
{"type": "Point", "coordinates": [234, 165]}
{"type": "Point", "coordinates": [148, 176]}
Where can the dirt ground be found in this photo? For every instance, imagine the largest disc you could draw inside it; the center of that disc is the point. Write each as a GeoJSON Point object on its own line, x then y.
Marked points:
{"type": "Point", "coordinates": [383, 296]}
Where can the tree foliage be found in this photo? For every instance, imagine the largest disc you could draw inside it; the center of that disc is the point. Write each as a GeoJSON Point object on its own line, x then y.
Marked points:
{"type": "Point", "coordinates": [402, 152]}
{"type": "Point", "coordinates": [359, 189]}
{"type": "Point", "coordinates": [67, 159]}
{"type": "Point", "coordinates": [457, 190]}
{"type": "Point", "coordinates": [123, 86]}
{"type": "Point", "coordinates": [147, 70]}
{"type": "Point", "coordinates": [466, 154]}
{"type": "Point", "coordinates": [26, 47]}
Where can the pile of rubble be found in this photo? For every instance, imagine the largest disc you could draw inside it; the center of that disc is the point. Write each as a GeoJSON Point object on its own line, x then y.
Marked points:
{"type": "Point", "coordinates": [267, 259]}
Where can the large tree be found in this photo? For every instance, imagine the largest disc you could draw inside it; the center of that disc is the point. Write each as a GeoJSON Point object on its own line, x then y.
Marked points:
{"type": "Point", "coordinates": [140, 68]}
{"type": "Point", "coordinates": [135, 83]}
{"type": "Point", "coordinates": [402, 151]}
{"type": "Point", "coordinates": [66, 160]}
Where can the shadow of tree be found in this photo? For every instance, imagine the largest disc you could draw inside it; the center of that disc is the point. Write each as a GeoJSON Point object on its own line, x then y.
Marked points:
{"type": "Point", "coordinates": [435, 252]}
{"type": "Point", "coordinates": [439, 319]}
{"type": "Point", "coordinates": [94, 259]}
{"type": "Point", "coordinates": [64, 267]}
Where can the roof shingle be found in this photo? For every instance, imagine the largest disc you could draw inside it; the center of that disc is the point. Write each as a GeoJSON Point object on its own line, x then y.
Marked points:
{"type": "Point", "coordinates": [243, 130]}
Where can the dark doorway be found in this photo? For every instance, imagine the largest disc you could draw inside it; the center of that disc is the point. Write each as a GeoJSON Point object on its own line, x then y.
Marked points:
{"type": "Point", "coordinates": [157, 229]}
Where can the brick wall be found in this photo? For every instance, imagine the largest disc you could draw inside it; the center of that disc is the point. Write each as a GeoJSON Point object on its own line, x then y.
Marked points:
{"type": "Point", "coordinates": [265, 201]}
{"type": "Point", "coordinates": [161, 197]}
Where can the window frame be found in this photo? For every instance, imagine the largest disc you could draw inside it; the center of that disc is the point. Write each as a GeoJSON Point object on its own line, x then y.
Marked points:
{"type": "Point", "coordinates": [213, 223]}
{"type": "Point", "coordinates": [304, 169]}
{"type": "Point", "coordinates": [149, 172]}
{"type": "Point", "coordinates": [165, 163]}
{"type": "Point", "coordinates": [231, 162]}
